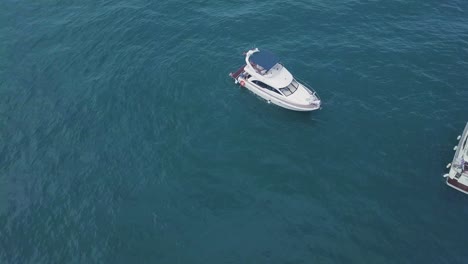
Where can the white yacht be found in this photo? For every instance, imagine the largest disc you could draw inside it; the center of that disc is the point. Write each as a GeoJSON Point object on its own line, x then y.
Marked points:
{"type": "Point", "coordinates": [457, 177]}
{"type": "Point", "coordinates": [264, 75]}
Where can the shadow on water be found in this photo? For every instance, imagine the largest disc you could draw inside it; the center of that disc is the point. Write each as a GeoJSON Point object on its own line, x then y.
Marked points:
{"type": "Point", "coordinates": [296, 117]}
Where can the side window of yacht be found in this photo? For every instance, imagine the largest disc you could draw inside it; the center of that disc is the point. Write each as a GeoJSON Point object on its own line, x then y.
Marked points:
{"type": "Point", "coordinates": [259, 83]}
{"type": "Point", "coordinates": [265, 86]}
{"type": "Point", "coordinates": [274, 90]}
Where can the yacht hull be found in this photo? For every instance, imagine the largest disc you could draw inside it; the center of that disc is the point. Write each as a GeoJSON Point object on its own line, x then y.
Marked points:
{"type": "Point", "coordinates": [271, 99]}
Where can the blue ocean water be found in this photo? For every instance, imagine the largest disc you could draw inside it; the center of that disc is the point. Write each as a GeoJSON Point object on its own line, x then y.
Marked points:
{"type": "Point", "coordinates": [123, 140]}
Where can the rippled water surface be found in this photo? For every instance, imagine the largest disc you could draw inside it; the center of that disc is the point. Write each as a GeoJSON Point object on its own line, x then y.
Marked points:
{"type": "Point", "coordinates": [123, 140]}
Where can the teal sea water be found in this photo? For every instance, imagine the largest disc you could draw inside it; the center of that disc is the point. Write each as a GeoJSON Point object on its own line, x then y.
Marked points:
{"type": "Point", "coordinates": [123, 140]}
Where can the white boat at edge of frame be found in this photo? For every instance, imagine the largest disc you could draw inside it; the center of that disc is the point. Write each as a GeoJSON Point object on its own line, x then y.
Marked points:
{"type": "Point", "coordinates": [457, 177]}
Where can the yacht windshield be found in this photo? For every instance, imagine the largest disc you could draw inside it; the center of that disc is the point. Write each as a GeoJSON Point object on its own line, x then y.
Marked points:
{"type": "Point", "coordinates": [291, 88]}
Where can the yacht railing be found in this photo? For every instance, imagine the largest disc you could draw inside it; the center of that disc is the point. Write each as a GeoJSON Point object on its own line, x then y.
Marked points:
{"type": "Point", "coordinates": [309, 106]}
{"type": "Point", "coordinates": [314, 93]}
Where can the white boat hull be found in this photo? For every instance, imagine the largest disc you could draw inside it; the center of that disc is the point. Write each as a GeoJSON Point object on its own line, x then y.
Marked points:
{"type": "Point", "coordinates": [457, 177]}
{"type": "Point", "coordinates": [271, 99]}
